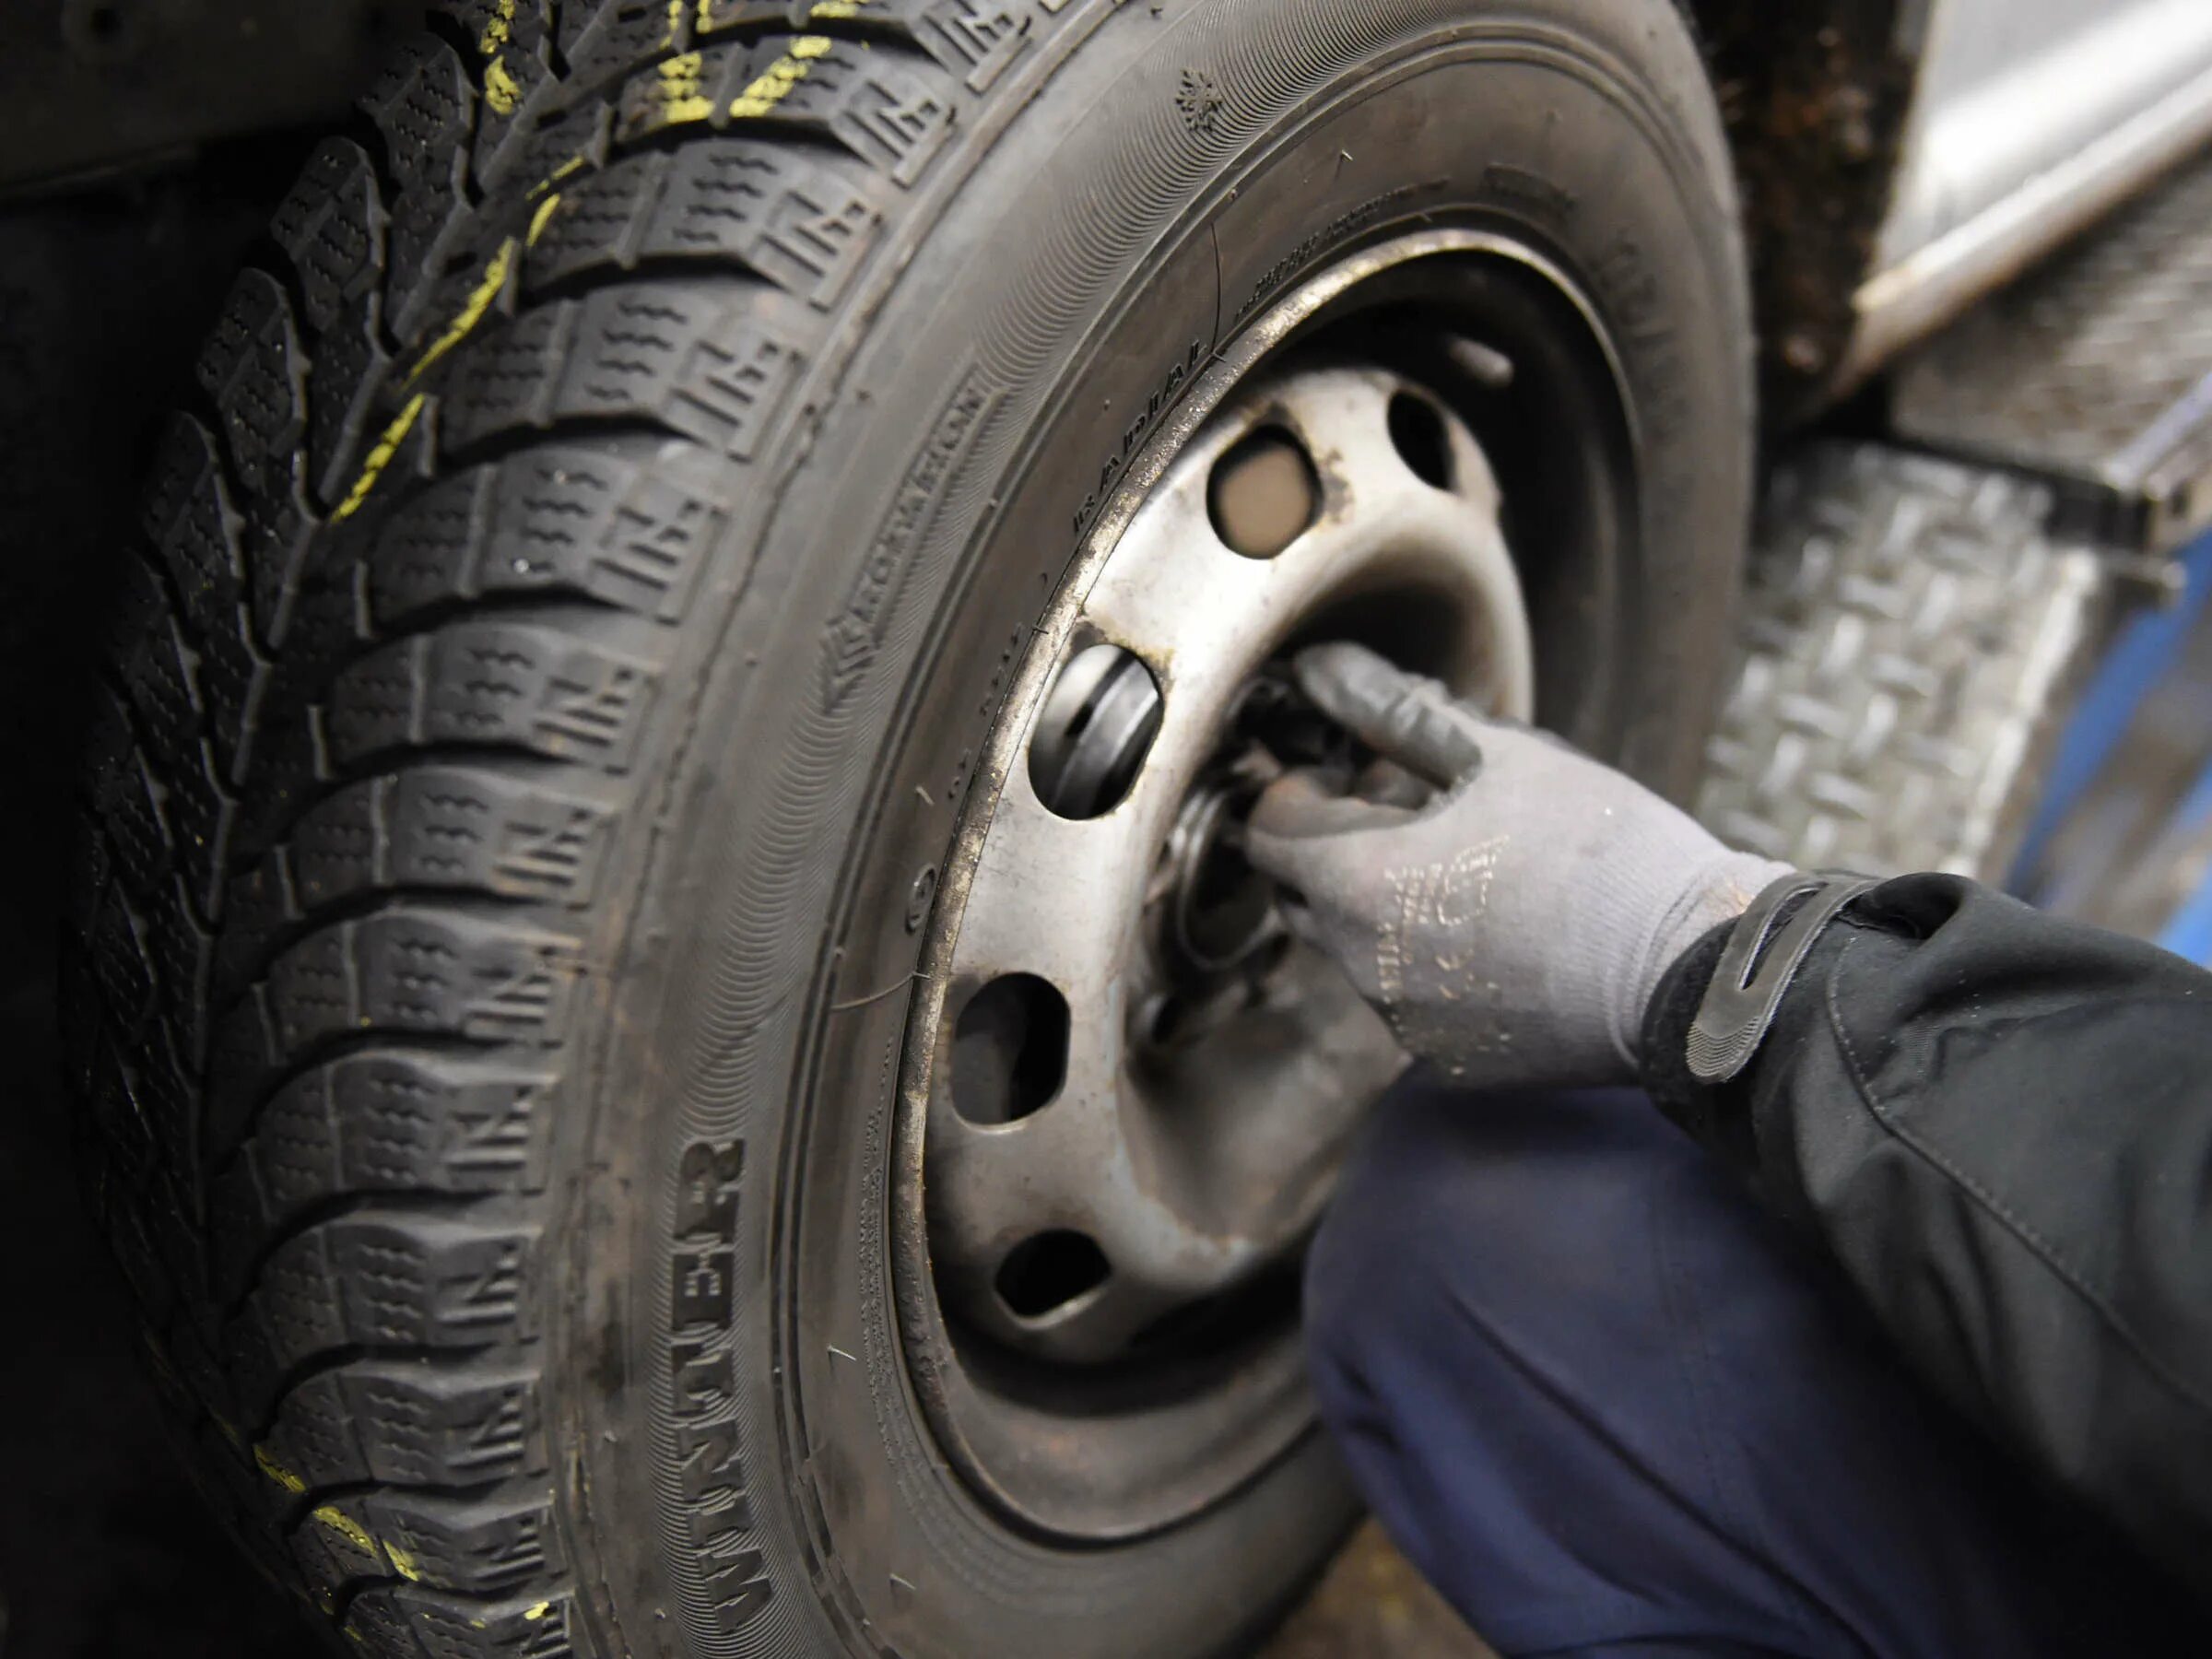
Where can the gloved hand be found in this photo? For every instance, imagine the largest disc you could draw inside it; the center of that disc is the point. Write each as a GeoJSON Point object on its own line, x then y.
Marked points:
{"type": "Point", "coordinates": [1514, 928]}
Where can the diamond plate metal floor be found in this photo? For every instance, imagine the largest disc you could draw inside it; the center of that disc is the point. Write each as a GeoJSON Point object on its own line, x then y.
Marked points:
{"type": "Point", "coordinates": [1910, 636]}
{"type": "Point", "coordinates": [2094, 370]}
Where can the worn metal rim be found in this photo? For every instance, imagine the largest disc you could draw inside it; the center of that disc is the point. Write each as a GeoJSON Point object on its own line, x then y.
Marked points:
{"type": "Point", "coordinates": [1076, 1419]}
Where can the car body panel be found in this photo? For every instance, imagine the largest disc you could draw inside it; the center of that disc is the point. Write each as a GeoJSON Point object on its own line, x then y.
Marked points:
{"type": "Point", "coordinates": [2030, 120]}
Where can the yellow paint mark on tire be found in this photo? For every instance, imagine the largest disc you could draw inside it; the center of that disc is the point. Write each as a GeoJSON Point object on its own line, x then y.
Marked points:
{"type": "Point", "coordinates": [573, 164]}
{"type": "Point", "coordinates": [676, 19]}
{"type": "Point", "coordinates": [472, 313]}
{"type": "Point", "coordinates": [682, 97]}
{"type": "Point", "coordinates": [542, 217]}
{"type": "Point", "coordinates": [276, 1472]}
{"type": "Point", "coordinates": [830, 10]}
{"type": "Point", "coordinates": [403, 1563]}
{"type": "Point", "coordinates": [498, 29]}
{"type": "Point", "coordinates": [771, 89]}
{"type": "Point", "coordinates": [501, 90]}
{"type": "Point", "coordinates": [538, 1612]}
{"type": "Point", "coordinates": [347, 1528]}
{"type": "Point", "coordinates": [379, 458]}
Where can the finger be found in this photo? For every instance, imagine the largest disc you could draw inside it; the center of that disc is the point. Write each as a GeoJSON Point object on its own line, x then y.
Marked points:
{"type": "Point", "coordinates": [1401, 716]}
{"type": "Point", "coordinates": [1299, 807]}
{"type": "Point", "coordinates": [1387, 784]}
{"type": "Point", "coordinates": [1300, 919]}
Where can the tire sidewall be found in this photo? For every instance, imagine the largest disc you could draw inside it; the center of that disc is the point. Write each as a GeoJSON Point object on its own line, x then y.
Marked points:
{"type": "Point", "coordinates": [732, 1387]}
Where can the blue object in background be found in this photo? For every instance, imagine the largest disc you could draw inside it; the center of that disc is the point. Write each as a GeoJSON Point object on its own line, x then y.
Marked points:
{"type": "Point", "coordinates": [2124, 833]}
{"type": "Point", "coordinates": [2189, 930]}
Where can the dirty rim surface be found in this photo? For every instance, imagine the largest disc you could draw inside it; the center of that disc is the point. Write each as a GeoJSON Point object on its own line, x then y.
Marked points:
{"type": "Point", "coordinates": [1127, 1089]}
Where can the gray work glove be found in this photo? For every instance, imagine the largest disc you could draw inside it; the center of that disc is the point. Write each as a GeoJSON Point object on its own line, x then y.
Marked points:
{"type": "Point", "coordinates": [1513, 929]}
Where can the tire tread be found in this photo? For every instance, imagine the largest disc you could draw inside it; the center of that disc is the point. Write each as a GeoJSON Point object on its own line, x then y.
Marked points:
{"type": "Point", "coordinates": [457, 455]}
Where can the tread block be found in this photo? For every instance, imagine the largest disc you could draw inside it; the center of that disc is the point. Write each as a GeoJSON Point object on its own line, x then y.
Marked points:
{"type": "Point", "coordinates": [279, 531]}
{"type": "Point", "coordinates": [625, 531]}
{"type": "Point", "coordinates": [603, 43]}
{"type": "Point", "coordinates": [183, 951]}
{"type": "Point", "coordinates": [332, 1547]}
{"type": "Point", "coordinates": [190, 518]}
{"type": "Point", "coordinates": [467, 829]}
{"type": "Point", "coordinates": [332, 224]}
{"type": "Point", "coordinates": [160, 688]}
{"type": "Point", "coordinates": [192, 524]}
{"type": "Point", "coordinates": [719, 16]}
{"type": "Point", "coordinates": [894, 116]}
{"type": "Point", "coordinates": [974, 40]}
{"type": "Point", "coordinates": [795, 221]}
{"type": "Point", "coordinates": [411, 1620]}
{"type": "Point", "coordinates": [495, 683]}
{"type": "Point", "coordinates": [411, 1423]}
{"type": "Point", "coordinates": [254, 369]}
{"type": "Point", "coordinates": [456, 828]}
{"type": "Point", "coordinates": [470, 1543]}
{"type": "Point", "coordinates": [378, 1280]}
{"type": "Point", "coordinates": [350, 369]}
{"type": "Point", "coordinates": [124, 801]}
{"type": "Point", "coordinates": [425, 972]}
{"type": "Point", "coordinates": [711, 362]}
{"type": "Point", "coordinates": [166, 1089]}
{"type": "Point", "coordinates": [493, 24]}
{"type": "Point", "coordinates": [382, 1124]}
{"type": "Point", "coordinates": [406, 971]}
{"type": "Point", "coordinates": [475, 1545]}
{"type": "Point", "coordinates": [424, 105]}
{"type": "Point", "coordinates": [120, 962]}
{"type": "Point", "coordinates": [121, 1119]}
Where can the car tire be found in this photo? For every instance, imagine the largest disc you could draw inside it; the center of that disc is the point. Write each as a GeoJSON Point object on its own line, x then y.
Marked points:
{"type": "Point", "coordinates": [568, 617]}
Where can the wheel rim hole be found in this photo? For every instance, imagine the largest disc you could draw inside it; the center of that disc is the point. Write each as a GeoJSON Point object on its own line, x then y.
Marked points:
{"type": "Point", "coordinates": [1094, 732]}
{"type": "Point", "coordinates": [1419, 434]}
{"type": "Point", "coordinates": [1010, 1049]}
{"type": "Point", "coordinates": [1044, 1274]}
{"type": "Point", "coordinates": [1262, 493]}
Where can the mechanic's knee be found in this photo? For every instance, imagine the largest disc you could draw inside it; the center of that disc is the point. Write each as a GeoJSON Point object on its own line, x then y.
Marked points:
{"type": "Point", "coordinates": [1379, 1267]}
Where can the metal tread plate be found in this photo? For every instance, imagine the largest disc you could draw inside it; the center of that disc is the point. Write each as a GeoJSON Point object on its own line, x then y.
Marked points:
{"type": "Point", "coordinates": [1911, 635]}
{"type": "Point", "coordinates": [2094, 370]}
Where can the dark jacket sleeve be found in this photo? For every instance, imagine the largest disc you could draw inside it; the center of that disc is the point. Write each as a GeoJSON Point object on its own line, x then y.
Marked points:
{"type": "Point", "coordinates": [2001, 1125]}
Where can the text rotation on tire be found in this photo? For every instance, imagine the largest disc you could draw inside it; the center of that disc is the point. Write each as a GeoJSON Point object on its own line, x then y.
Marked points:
{"type": "Point", "coordinates": [546, 673]}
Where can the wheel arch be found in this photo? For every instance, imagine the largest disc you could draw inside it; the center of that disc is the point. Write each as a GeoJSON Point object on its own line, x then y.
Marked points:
{"type": "Point", "coordinates": [1815, 102]}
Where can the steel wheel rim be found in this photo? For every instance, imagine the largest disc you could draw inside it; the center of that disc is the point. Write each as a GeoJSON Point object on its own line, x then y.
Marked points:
{"type": "Point", "coordinates": [1200, 1428]}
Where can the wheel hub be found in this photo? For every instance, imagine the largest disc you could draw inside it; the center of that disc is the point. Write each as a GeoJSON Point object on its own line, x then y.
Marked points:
{"type": "Point", "coordinates": [1148, 1086]}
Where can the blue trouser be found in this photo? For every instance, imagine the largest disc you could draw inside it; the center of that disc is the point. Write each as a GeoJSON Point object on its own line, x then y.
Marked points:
{"type": "Point", "coordinates": [1608, 1406]}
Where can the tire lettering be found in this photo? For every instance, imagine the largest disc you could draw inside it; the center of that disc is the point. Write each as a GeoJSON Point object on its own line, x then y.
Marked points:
{"type": "Point", "coordinates": [1157, 403]}
{"type": "Point", "coordinates": [1335, 230]}
{"type": "Point", "coordinates": [701, 1306]}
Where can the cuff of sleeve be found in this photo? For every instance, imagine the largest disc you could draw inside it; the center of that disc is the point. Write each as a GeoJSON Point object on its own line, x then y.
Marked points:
{"type": "Point", "coordinates": [1718, 1116]}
